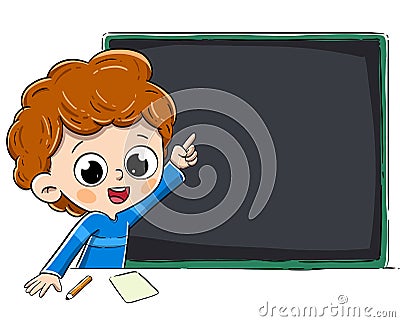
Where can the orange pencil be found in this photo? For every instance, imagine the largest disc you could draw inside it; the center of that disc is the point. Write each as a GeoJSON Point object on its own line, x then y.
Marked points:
{"type": "Point", "coordinates": [71, 294]}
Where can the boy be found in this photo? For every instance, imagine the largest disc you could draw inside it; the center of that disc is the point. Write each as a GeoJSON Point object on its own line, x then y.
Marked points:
{"type": "Point", "coordinates": [90, 139]}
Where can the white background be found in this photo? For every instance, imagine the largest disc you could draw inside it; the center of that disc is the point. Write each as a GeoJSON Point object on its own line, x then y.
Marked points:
{"type": "Point", "coordinates": [36, 35]}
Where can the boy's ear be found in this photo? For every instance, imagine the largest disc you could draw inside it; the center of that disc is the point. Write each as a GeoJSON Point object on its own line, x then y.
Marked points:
{"type": "Point", "coordinates": [44, 188]}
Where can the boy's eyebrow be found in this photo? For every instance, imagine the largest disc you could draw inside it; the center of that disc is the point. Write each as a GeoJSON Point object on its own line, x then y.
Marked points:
{"type": "Point", "coordinates": [76, 146]}
{"type": "Point", "coordinates": [143, 136]}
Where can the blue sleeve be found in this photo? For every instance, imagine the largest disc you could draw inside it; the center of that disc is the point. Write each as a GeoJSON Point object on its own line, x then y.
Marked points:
{"type": "Point", "coordinates": [70, 247]}
{"type": "Point", "coordinates": [171, 179]}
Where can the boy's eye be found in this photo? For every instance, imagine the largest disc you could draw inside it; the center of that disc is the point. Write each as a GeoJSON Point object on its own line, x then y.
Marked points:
{"type": "Point", "coordinates": [141, 162]}
{"type": "Point", "coordinates": [90, 169]}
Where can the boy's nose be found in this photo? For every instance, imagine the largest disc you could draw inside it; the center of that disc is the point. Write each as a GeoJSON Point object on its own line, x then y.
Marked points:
{"type": "Point", "coordinates": [119, 174]}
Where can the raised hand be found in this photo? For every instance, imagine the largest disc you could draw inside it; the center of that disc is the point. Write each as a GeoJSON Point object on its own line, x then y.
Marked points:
{"type": "Point", "coordinates": [186, 155]}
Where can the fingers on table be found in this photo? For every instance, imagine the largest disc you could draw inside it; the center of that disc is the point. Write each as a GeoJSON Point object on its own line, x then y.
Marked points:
{"type": "Point", "coordinates": [57, 286]}
{"type": "Point", "coordinates": [35, 287]}
{"type": "Point", "coordinates": [30, 282]}
{"type": "Point", "coordinates": [44, 289]}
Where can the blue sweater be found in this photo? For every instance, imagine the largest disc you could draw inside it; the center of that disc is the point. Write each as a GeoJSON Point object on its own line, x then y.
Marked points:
{"type": "Point", "coordinates": [105, 239]}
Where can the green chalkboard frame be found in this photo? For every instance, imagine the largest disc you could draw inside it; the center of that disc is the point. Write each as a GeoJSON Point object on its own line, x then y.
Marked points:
{"type": "Point", "coordinates": [289, 264]}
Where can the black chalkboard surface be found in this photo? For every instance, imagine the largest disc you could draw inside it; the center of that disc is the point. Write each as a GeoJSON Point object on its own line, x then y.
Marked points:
{"type": "Point", "coordinates": [291, 141]}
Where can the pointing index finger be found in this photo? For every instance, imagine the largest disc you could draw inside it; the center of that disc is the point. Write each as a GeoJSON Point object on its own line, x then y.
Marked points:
{"type": "Point", "coordinates": [189, 141]}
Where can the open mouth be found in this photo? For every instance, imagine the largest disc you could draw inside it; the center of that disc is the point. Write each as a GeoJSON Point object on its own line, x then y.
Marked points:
{"type": "Point", "coordinates": [118, 195]}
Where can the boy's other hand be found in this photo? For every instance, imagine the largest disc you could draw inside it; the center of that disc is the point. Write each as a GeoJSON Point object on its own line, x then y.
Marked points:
{"type": "Point", "coordinates": [186, 155]}
{"type": "Point", "coordinates": [41, 283]}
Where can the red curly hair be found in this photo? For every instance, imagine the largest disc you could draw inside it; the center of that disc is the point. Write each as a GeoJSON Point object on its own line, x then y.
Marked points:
{"type": "Point", "coordinates": [112, 88]}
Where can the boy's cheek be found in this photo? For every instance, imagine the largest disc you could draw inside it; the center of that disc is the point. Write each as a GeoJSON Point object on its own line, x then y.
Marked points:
{"type": "Point", "coordinates": [149, 185]}
{"type": "Point", "coordinates": [86, 196]}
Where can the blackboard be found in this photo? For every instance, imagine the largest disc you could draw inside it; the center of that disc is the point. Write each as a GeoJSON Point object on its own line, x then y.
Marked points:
{"type": "Point", "coordinates": [315, 139]}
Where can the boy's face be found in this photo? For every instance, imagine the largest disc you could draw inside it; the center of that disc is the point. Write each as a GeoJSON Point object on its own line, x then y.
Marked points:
{"type": "Point", "coordinates": [111, 170]}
